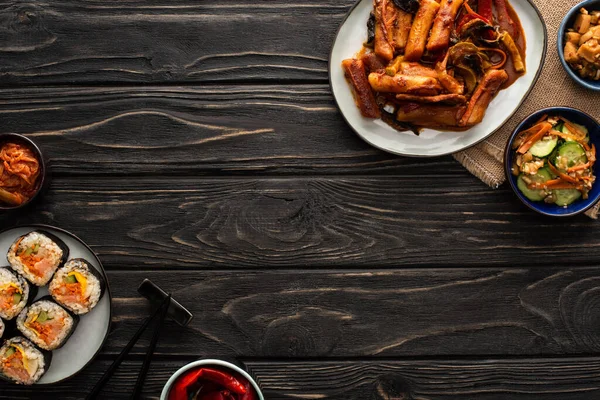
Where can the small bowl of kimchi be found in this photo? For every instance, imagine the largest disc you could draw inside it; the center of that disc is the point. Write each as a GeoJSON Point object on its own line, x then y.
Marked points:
{"type": "Point", "coordinates": [23, 173]}
{"type": "Point", "coordinates": [550, 161]}
{"type": "Point", "coordinates": [210, 380]}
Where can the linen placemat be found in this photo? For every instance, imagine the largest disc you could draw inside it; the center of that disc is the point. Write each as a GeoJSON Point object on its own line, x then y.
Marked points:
{"type": "Point", "coordinates": [553, 88]}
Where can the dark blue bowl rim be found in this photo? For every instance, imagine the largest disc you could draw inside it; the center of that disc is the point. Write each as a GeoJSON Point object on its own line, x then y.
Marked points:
{"type": "Point", "coordinates": [507, 167]}
{"type": "Point", "coordinates": [560, 46]}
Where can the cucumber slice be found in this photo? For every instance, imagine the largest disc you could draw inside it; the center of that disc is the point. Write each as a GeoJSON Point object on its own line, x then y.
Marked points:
{"type": "Point", "coordinates": [544, 146]}
{"type": "Point", "coordinates": [542, 175]}
{"type": "Point", "coordinates": [70, 279]}
{"type": "Point", "coordinates": [580, 127]}
{"type": "Point", "coordinates": [17, 298]}
{"type": "Point", "coordinates": [573, 152]}
{"type": "Point", "coordinates": [42, 317]}
{"type": "Point", "coordinates": [10, 352]}
{"type": "Point", "coordinates": [564, 197]}
{"type": "Point", "coordinates": [566, 130]}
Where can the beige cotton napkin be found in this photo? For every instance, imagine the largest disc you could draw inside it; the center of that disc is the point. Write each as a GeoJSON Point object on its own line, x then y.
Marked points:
{"type": "Point", "coordinates": [553, 88]}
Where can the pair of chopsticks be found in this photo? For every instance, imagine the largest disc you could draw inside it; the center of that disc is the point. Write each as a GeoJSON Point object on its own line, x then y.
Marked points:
{"type": "Point", "coordinates": [161, 313]}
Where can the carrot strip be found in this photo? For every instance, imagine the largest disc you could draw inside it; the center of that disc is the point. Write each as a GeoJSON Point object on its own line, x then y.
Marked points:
{"type": "Point", "coordinates": [579, 167]}
{"type": "Point", "coordinates": [542, 119]}
{"type": "Point", "coordinates": [535, 137]}
{"type": "Point", "coordinates": [561, 174]}
{"type": "Point", "coordinates": [473, 13]}
{"type": "Point", "coordinates": [574, 129]}
{"type": "Point", "coordinates": [564, 135]}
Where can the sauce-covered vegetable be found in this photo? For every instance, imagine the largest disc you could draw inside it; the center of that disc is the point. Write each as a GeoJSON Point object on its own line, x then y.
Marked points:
{"type": "Point", "coordinates": [211, 384]}
{"type": "Point", "coordinates": [582, 47]}
{"type": "Point", "coordinates": [554, 161]}
{"type": "Point", "coordinates": [19, 173]}
{"type": "Point", "coordinates": [431, 63]}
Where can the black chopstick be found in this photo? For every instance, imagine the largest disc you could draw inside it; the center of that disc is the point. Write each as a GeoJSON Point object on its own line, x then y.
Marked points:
{"type": "Point", "coordinates": [113, 367]}
{"type": "Point", "coordinates": [146, 365]}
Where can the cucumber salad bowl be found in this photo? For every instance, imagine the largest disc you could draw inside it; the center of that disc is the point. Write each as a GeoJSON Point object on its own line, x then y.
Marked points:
{"type": "Point", "coordinates": [550, 161]}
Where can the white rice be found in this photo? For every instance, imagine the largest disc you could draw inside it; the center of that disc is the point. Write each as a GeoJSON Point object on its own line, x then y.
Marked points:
{"type": "Point", "coordinates": [53, 310]}
{"type": "Point", "coordinates": [92, 292]}
{"type": "Point", "coordinates": [48, 249]}
{"type": "Point", "coordinates": [35, 359]}
{"type": "Point", "coordinates": [6, 277]}
{"type": "Point", "coordinates": [1, 328]}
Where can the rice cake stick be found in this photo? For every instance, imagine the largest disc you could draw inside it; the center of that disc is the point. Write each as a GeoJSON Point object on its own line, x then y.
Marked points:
{"type": "Point", "coordinates": [440, 33]}
{"type": "Point", "coordinates": [417, 37]}
{"type": "Point", "coordinates": [400, 83]}
{"type": "Point", "coordinates": [402, 30]}
{"type": "Point", "coordinates": [356, 74]}
{"type": "Point", "coordinates": [483, 95]}
{"type": "Point", "coordinates": [382, 47]}
{"type": "Point", "coordinates": [430, 114]}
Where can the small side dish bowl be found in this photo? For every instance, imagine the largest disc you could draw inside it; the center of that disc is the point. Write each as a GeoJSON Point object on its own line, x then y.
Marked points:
{"type": "Point", "coordinates": [42, 179]}
{"type": "Point", "coordinates": [220, 365]}
{"type": "Point", "coordinates": [568, 22]}
{"type": "Point", "coordinates": [578, 117]}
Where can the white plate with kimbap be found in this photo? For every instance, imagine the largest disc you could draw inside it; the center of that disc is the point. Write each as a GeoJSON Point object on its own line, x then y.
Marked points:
{"type": "Point", "coordinates": [55, 305]}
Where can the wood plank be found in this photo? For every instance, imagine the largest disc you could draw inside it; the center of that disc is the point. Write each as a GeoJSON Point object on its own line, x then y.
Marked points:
{"type": "Point", "coordinates": [237, 130]}
{"type": "Point", "coordinates": [373, 313]}
{"type": "Point", "coordinates": [167, 41]}
{"type": "Point", "coordinates": [529, 379]}
{"type": "Point", "coordinates": [317, 222]}
{"type": "Point", "coordinates": [119, 387]}
{"type": "Point", "coordinates": [515, 379]}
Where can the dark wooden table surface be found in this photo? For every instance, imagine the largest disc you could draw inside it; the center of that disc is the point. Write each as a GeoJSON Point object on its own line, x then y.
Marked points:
{"type": "Point", "coordinates": [197, 143]}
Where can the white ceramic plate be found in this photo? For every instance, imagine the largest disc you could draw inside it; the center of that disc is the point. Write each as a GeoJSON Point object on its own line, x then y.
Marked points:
{"type": "Point", "coordinates": [431, 142]}
{"type": "Point", "coordinates": [93, 328]}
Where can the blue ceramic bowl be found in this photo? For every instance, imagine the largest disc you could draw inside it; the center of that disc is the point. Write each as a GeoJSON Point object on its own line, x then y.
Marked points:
{"type": "Point", "coordinates": [567, 23]}
{"type": "Point", "coordinates": [553, 210]}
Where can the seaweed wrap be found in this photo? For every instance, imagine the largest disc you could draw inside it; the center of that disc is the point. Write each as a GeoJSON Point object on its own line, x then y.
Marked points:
{"type": "Point", "coordinates": [37, 255]}
{"type": "Point", "coordinates": [47, 324]}
{"type": "Point", "coordinates": [21, 362]}
{"type": "Point", "coordinates": [77, 286]}
{"type": "Point", "coordinates": [15, 293]}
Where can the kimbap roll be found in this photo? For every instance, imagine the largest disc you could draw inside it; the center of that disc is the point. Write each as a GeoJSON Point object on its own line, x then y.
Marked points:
{"type": "Point", "coordinates": [37, 255]}
{"type": "Point", "coordinates": [77, 286]}
{"type": "Point", "coordinates": [47, 324]}
{"type": "Point", "coordinates": [14, 293]}
{"type": "Point", "coordinates": [21, 362]}
{"type": "Point", "coordinates": [1, 328]}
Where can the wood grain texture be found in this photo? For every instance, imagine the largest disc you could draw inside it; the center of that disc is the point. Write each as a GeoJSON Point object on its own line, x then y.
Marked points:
{"type": "Point", "coordinates": [119, 387]}
{"type": "Point", "coordinates": [224, 130]}
{"type": "Point", "coordinates": [535, 379]}
{"type": "Point", "coordinates": [165, 41]}
{"type": "Point", "coordinates": [179, 222]}
{"type": "Point", "coordinates": [373, 313]}
{"type": "Point", "coordinates": [455, 323]}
